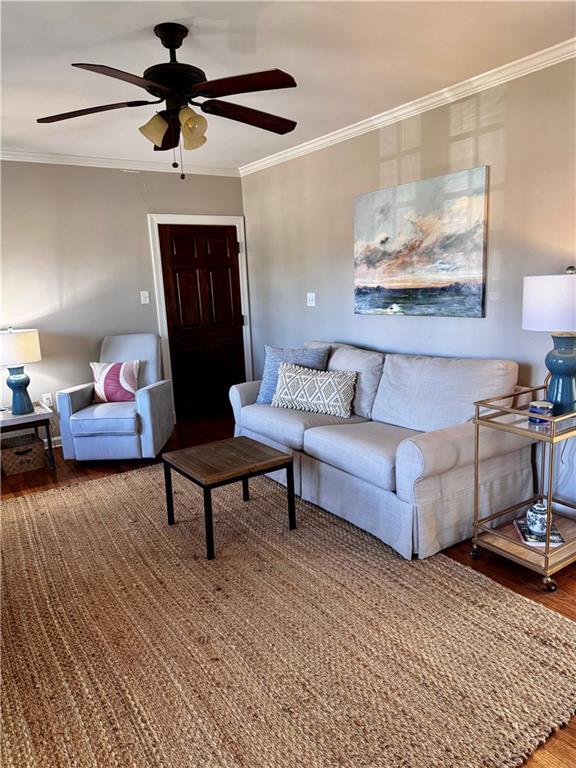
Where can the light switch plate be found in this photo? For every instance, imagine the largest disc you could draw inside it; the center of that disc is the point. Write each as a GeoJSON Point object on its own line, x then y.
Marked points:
{"type": "Point", "coordinates": [144, 297]}
{"type": "Point", "coordinates": [311, 299]}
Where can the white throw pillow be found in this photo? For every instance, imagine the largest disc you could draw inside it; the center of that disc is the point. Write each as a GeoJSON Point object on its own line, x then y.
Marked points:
{"type": "Point", "coordinates": [304, 389]}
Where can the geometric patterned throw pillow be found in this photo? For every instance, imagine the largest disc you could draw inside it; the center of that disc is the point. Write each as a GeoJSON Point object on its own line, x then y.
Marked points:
{"type": "Point", "coordinates": [115, 382]}
{"type": "Point", "coordinates": [303, 389]}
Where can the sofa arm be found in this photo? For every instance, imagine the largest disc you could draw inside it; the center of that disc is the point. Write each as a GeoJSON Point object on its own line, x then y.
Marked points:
{"type": "Point", "coordinates": [442, 450]}
{"type": "Point", "coordinates": [243, 394]}
{"type": "Point", "coordinates": [155, 406]}
{"type": "Point", "coordinates": [69, 401]}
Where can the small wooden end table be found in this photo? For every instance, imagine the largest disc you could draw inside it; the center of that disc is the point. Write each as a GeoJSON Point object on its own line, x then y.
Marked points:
{"type": "Point", "coordinates": [220, 463]}
{"type": "Point", "coordinates": [40, 417]}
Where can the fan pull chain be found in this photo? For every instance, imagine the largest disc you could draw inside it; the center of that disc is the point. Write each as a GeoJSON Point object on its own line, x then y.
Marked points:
{"type": "Point", "coordinates": [174, 164]}
{"type": "Point", "coordinates": [182, 175]}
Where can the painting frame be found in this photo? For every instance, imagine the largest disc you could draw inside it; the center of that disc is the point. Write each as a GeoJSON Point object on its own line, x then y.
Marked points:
{"type": "Point", "coordinates": [421, 248]}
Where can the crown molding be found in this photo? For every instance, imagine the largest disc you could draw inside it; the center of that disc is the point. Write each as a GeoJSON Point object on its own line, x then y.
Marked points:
{"type": "Point", "coordinates": [23, 156]}
{"type": "Point", "coordinates": [514, 69]}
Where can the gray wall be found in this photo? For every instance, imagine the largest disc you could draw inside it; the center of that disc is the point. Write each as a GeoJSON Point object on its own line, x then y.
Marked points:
{"type": "Point", "coordinates": [76, 254]}
{"type": "Point", "coordinates": [299, 219]}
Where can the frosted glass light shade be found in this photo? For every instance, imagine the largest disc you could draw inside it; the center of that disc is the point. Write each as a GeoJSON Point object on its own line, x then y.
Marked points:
{"type": "Point", "coordinates": [154, 129]}
{"type": "Point", "coordinates": [549, 303]}
{"type": "Point", "coordinates": [195, 124]}
{"type": "Point", "coordinates": [190, 140]}
{"type": "Point", "coordinates": [18, 347]}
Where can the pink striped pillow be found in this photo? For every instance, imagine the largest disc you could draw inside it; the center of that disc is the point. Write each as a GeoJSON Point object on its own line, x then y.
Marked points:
{"type": "Point", "coordinates": [115, 382]}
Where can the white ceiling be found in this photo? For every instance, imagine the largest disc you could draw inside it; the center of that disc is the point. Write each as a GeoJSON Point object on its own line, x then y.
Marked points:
{"type": "Point", "coordinates": [351, 60]}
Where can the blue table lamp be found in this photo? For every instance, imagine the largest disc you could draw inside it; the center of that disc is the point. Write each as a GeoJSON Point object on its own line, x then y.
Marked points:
{"type": "Point", "coordinates": [18, 347]}
{"type": "Point", "coordinates": [549, 304]}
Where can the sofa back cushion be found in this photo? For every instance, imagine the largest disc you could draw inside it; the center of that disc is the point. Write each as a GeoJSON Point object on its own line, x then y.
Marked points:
{"type": "Point", "coordinates": [368, 366]}
{"type": "Point", "coordinates": [427, 393]}
{"type": "Point", "coordinates": [309, 358]}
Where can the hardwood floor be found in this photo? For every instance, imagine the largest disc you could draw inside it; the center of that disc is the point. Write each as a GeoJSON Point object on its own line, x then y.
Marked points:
{"type": "Point", "coordinates": [193, 432]}
{"type": "Point", "coordinates": [558, 752]}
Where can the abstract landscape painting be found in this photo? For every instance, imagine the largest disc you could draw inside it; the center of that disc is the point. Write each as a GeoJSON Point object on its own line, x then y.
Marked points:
{"type": "Point", "coordinates": [419, 248]}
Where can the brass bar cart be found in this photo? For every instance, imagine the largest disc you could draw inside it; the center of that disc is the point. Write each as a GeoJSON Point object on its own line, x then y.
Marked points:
{"type": "Point", "coordinates": [505, 414]}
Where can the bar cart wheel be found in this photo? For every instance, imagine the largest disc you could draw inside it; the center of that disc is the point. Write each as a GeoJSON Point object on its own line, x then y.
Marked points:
{"type": "Point", "coordinates": [475, 552]}
{"type": "Point", "coordinates": [549, 584]}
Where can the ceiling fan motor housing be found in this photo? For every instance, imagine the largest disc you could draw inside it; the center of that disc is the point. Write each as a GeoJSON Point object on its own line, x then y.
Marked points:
{"type": "Point", "coordinates": [179, 78]}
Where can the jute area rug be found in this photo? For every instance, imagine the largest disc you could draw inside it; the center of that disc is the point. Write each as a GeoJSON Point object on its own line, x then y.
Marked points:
{"type": "Point", "coordinates": [123, 646]}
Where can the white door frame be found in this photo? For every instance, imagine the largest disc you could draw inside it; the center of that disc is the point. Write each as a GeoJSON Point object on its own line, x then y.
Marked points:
{"type": "Point", "coordinates": [154, 219]}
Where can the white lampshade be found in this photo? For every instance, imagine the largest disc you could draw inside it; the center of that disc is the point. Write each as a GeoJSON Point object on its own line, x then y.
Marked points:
{"type": "Point", "coordinates": [549, 303]}
{"type": "Point", "coordinates": [18, 347]}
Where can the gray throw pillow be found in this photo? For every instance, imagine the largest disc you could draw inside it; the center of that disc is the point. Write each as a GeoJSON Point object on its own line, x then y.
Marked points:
{"type": "Point", "coordinates": [309, 358]}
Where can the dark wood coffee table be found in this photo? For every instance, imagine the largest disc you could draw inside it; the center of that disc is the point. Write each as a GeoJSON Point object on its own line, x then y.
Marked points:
{"type": "Point", "coordinates": [221, 463]}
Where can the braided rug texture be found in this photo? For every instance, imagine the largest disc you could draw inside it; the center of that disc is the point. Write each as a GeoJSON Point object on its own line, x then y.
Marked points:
{"type": "Point", "coordinates": [320, 647]}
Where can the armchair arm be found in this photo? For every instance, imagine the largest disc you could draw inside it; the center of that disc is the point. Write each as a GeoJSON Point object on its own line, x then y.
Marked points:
{"type": "Point", "coordinates": [442, 450]}
{"type": "Point", "coordinates": [74, 399]}
{"type": "Point", "coordinates": [243, 394]}
{"type": "Point", "coordinates": [155, 407]}
{"type": "Point", "coordinates": [68, 401]}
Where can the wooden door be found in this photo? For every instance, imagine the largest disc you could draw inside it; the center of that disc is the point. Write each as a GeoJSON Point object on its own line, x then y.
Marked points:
{"type": "Point", "coordinates": [203, 307]}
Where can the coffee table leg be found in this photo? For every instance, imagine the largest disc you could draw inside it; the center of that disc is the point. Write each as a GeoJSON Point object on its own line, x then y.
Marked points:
{"type": "Point", "coordinates": [291, 502]}
{"type": "Point", "coordinates": [208, 524]}
{"type": "Point", "coordinates": [245, 489]}
{"type": "Point", "coordinates": [169, 499]}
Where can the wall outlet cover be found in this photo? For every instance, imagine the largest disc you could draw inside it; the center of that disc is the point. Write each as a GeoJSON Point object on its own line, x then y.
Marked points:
{"type": "Point", "coordinates": [311, 299]}
{"type": "Point", "coordinates": [144, 297]}
{"type": "Point", "coordinates": [47, 399]}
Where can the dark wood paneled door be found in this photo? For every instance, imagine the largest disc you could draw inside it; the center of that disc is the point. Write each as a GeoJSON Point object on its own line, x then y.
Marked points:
{"type": "Point", "coordinates": [203, 307]}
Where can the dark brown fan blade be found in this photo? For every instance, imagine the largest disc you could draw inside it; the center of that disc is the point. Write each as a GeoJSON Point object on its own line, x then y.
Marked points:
{"type": "Point", "coordinates": [102, 69]}
{"type": "Point", "coordinates": [92, 110]}
{"type": "Point", "coordinates": [247, 115]}
{"type": "Point", "coordinates": [171, 138]}
{"type": "Point", "coordinates": [256, 81]}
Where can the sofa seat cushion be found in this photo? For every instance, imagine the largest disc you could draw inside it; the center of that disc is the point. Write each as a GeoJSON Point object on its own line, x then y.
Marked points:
{"type": "Point", "coordinates": [287, 426]}
{"type": "Point", "coordinates": [365, 450]}
{"type": "Point", "coordinates": [105, 419]}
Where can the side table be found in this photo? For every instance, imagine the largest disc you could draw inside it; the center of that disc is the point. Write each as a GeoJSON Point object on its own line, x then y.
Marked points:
{"type": "Point", "coordinates": [500, 413]}
{"type": "Point", "coordinates": [226, 461]}
{"type": "Point", "coordinates": [40, 417]}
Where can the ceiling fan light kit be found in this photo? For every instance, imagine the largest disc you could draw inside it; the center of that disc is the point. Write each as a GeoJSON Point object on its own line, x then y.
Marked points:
{"type": "Point", "coordinates": [179, 85]}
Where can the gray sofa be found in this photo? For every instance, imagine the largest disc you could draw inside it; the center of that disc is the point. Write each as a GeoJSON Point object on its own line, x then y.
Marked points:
{"type": "Point", "coordinates": [402, 466]}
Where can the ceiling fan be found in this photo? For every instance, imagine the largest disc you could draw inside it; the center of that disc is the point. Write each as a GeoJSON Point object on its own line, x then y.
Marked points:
{"type": "Point", "coordinates": [179, 85]}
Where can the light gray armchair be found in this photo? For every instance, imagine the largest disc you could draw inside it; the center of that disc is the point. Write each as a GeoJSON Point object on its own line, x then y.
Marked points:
{"type": "Point", "coordinates": [126, 430]}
